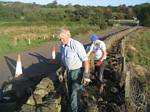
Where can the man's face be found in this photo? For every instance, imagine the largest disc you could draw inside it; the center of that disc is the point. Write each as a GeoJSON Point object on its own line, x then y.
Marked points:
{"type": "Point", "coordinates": [63, 38]}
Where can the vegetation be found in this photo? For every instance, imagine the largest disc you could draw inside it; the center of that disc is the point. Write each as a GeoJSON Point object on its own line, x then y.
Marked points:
{"type": "Point", "coordinates": [17, 38]}
{"type": "Point", "coordinates": [143, 14]}
{"type": "Point", "coordinates": [138, 48]}
{"type": "Point", "coordinates": [17, 11]}
{"type": "Point", "coordinates": [24, 25]}
{"type": "Point", "coordinates": [53, 13]}
{"type": "Point", "coordinates": [7, 45]}
{"type": "Point", "coordinates": [138, 65]}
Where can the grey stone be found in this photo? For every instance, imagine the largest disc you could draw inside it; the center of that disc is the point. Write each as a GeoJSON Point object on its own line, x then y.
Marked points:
{"type": "Point", "coordinates": [41, 92]}
{"type": "Point", "coordinates": [114, 90]}
{"type": "Point", "coordinates": [34, 100]}
{"type": "Point", "coordinates": [7, 87]}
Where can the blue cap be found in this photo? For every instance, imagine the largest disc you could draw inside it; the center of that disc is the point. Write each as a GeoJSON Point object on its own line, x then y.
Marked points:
{"type": "Point", "coordinates": [93, 37]}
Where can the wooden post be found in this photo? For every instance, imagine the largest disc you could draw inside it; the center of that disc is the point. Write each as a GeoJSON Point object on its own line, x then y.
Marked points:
{"type": "Point", "coordinates": [127, 86]}
{"type": "Point", "coordinates": [15, 41]}
{"type": "Point", "coordinates": [29, 41]}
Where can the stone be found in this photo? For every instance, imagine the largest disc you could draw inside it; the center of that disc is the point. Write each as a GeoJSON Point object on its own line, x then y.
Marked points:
{"type": "Point", "coordinates": [47, 84]}
{"type": "Point", "coordinates": [7, 87]}
{"type": "Point", "coordinates": [114, 90]}
{"type": "Point", "coordinates": [34, 100]}
{"type": "Point", "coordinates": [41, 92]}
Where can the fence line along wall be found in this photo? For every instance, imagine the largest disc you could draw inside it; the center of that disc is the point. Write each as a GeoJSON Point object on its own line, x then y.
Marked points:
{"type": "Point", "coordinates": [134, 86]}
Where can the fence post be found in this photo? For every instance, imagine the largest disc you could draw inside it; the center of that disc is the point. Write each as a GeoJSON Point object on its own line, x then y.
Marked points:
{"type": "Point", "coordinates": [127, 85]}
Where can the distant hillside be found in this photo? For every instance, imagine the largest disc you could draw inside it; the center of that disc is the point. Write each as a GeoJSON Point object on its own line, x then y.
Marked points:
{"type": "Point", "coordinates": [54, 12]}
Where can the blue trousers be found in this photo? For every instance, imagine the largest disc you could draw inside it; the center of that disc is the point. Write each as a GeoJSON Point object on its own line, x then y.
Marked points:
{"type": "Point", "coordinates": [75, 88]}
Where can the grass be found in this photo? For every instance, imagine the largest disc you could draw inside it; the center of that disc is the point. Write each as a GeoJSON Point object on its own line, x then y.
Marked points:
{"type": "Point", "coordinates": [138, 54]}
{"type": "Point", "coordinates": [7, 47]}
{"type": "Point", "coordinates": [14, 37]}
{"type": "Point", "coordinates": [140, 41]}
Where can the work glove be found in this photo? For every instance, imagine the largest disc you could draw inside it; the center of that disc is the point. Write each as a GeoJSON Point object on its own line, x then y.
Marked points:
{"type": "Point", "coordinates": [61, 78]}
{"type": "Point", "coordinates": [60, 73]}
{"type": "Point", "coordinates": [99, 62]}
{"type": "Point", "coordinates": [86, 79]}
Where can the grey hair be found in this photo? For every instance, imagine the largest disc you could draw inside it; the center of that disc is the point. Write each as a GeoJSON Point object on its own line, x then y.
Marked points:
{"type": "Point", "coordinates": [64, 31]}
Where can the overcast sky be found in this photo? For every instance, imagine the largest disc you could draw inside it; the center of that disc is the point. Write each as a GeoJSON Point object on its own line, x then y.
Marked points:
{"type": "Point", "coordinates": [87, 2]}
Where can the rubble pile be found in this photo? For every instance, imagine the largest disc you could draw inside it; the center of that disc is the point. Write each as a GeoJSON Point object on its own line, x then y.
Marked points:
{"type": "Point", "coordinates": [44, 98]}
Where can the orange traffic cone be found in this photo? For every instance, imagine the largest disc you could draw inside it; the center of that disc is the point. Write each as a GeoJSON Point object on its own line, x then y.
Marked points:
{"type": "Point", "coordinates": [53, 60]}
{"type": "Point", "coordinates": [54, 53]}
{"type": "Point", "coordinates": [18, 66]}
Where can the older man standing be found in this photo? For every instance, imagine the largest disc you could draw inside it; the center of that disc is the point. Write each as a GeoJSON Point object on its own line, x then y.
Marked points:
{"type": "Point", "coordinates": [75, 61]}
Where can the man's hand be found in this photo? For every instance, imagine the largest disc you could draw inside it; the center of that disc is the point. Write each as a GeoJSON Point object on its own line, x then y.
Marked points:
{"type": "Point", "coordinates": [86, 79]}
{"type": "Point", "coordinates": [99, 62]}
{"type": "Point", "coordinates": [60, 73]}
{"type": "Point", "coordinates": [61, 78]}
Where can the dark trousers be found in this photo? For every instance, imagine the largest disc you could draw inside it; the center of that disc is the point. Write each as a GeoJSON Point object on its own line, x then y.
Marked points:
{"type": "Point", "coordinates": [99, 70]}
{"type": "Point", "coordinates": [75, 88]}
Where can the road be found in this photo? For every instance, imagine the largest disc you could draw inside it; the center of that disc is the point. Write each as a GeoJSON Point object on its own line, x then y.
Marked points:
{"type": "Point", "coordinates": [35, 61]}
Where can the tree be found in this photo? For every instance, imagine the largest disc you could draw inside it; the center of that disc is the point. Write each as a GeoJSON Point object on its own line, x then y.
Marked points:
{"type": "Point", "coordinates": [108, 13]}
{"type": "Point", "coordinates": [98, 19]}
{"type": "Point", "coordinates": [143, 13]}
{"type": "Point", "coordinates": [53, 4]}
{"type": "Point", "coordinates": [129, 13]}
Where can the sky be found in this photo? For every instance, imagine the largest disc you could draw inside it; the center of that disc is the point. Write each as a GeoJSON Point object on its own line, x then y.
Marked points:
{"type": "Point", "coordinates": [87, 2]}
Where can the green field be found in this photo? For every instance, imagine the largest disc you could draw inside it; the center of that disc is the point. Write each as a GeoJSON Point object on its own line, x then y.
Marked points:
{"type": "Point", "coordinates": [17, 38]}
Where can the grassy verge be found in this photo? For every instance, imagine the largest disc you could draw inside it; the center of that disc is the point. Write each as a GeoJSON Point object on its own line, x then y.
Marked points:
{"type": "Point", "coordinates": [15, 37]}
{"type": "Point", "coordinates": [138, 64]}
{"type": "Point", "coordinates": [7, 47]}
{"type": "Point", "coordinates": [138, 48]}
